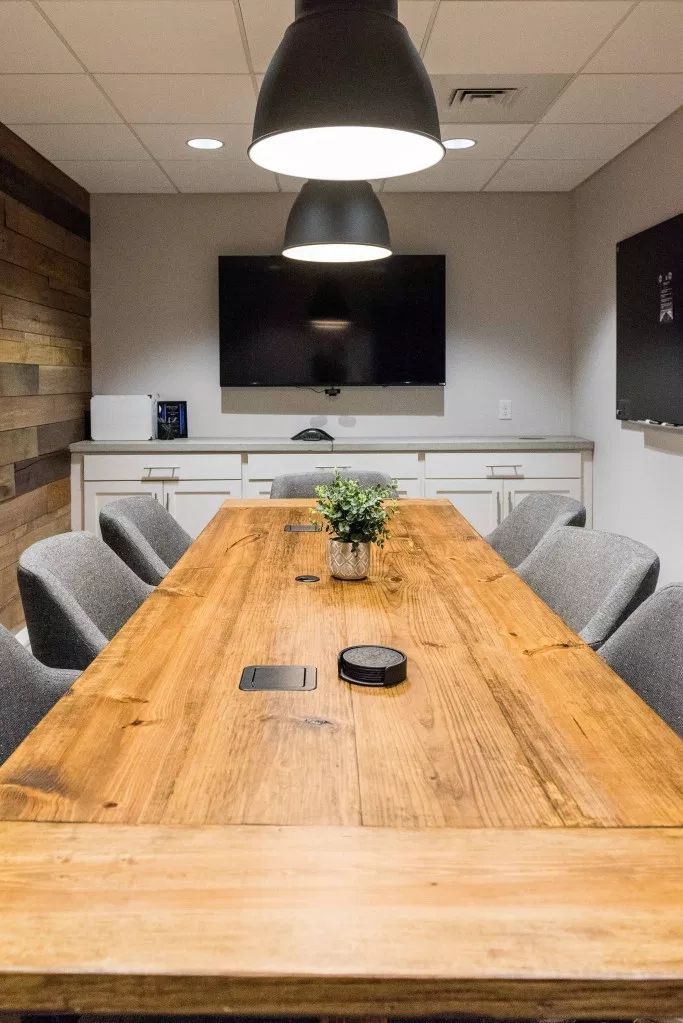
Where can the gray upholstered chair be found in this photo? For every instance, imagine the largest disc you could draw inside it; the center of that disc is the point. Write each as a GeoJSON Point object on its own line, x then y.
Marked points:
{"type": "Point", "coordinates": [144, 535]}
{"type": "Point", "coordinates": [76, 594]}
{"type": "Point", "coordinates": [526, 525]}
{"type": "Point", "coordinates": [593, 580]}
{"type": "Point", "coordinates": [28, 690]}
{"type": "Point", "coordinates": [647, 651]}
{"type": "Point", "coordinates": [304, 484]}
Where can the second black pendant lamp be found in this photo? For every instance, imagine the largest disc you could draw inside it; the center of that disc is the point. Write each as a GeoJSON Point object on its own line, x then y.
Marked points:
{"type": "Point", "coordinates": [337, 222]}
{"type": "Point", "coordinates": [346, 97]}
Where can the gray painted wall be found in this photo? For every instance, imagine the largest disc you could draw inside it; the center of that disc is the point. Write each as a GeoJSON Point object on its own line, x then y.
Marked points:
{"type": "Point", "coordinates": [638, 473]}
{"type": "Point", "coordinates": [155, 313]}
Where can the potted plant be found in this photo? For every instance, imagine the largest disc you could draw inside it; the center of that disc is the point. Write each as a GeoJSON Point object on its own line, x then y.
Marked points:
{"type": "Point", "coordinates": [356, 517]}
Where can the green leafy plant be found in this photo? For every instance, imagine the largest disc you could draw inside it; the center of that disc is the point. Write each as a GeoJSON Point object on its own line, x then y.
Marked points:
{"type": "Point", "coordinates": [356, 514]}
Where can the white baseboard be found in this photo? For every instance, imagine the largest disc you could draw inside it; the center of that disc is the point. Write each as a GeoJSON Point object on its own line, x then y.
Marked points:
{"type": "Point", "coordinates": [22, 636]}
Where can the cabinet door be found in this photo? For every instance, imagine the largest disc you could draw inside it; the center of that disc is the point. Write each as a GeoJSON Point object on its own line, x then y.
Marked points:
{"type": "Point", "coordinates": [480, 501]}
{"type": "Point", "coordinates": [517, 490]}
{"type": "Point", "coordinates": [193, 503]}
{"type": "Point", "coordinates": [96, 495]}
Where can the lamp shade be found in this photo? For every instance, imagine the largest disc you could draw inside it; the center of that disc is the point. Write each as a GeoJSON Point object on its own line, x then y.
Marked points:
{"type": "Point", "coordinates": [346, 97]}
{"type": "Point", "coordinates": [337, 222]}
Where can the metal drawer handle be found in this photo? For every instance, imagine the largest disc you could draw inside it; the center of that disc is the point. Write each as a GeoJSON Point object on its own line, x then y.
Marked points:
{"type": "Point", "coordinates": [333, 467]}
{"type": "Point", "coordinates": [516, 475]}
{"type": "Point", "coordinates": [169, 469]}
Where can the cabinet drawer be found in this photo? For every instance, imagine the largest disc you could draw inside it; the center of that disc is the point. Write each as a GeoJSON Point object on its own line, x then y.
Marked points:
{"type": "Point", "coordinates": [527, 464]}
{"type": "Point", "coordinates": [261, 488]}
{"type": "Point", "coordinates": [160, 466]}
{"type": "Point", "coordinates": [396, 465]}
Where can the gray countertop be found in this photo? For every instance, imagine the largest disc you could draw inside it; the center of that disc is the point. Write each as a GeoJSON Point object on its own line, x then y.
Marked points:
{"type": "Point", "coordinates": [196, 445]}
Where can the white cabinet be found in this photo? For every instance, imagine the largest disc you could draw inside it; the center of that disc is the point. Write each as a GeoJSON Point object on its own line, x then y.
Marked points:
{"type": "Point", "coordinates": [481, 464]}
{"type": "Point", "coordinates": [484, 485]}
{"type": "Point", "coordinates": [517, 490]}
{"type": "Point", "coordinates": [97, 494]}
{"type": "Point", "coordinates": [190, 486]}
{"type": "Point", "coordinates": [193, 503]}
{"type": "Point", "coordinates": [161, 466]}
{"type": "Point", "coordinates": [480, 501]}
{"type": "Point", "coordinates": [404, 467]}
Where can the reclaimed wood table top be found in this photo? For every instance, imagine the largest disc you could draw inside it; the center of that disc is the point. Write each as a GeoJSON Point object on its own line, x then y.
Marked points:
{"type": "Point", "coordinates": [502, 832]}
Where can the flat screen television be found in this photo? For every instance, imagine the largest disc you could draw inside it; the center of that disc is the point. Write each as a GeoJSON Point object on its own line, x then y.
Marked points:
{"type": "Point", "coordinates": [289, 324]}
{"type": "Point", "coordinates": [650, 324]}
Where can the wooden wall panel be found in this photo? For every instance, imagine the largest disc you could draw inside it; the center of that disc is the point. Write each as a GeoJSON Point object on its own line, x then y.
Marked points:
{"type": "Point", "coordinates": [15, 445]}
{"type": "Point", "coordinates": [7, 482]}
{"type": "Point", "coordinates": [63, 379]}
{"type": "Point", "coordinates": [44, 351]}
{"type": "Point", "coordinates": [18, 378]}
{"type": "Point", "coordinates": [17, 282]}
{"type": "Point", "coordinates": [53, 436]}
{"type": "Point", "coordinates": [20, 346]}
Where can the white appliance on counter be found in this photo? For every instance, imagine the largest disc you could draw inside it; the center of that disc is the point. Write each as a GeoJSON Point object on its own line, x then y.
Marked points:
{"type": "Point", "coordinates": [123, 416]}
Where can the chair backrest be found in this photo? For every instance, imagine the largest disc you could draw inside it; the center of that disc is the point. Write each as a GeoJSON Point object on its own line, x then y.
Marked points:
{"type": "Point", "coordinates": [76, 594]}
{"type": "Point", "coordinates": [28, 690]}
{"type": "Point", "coordinates": [304, 484]}
{"type": "Point", "coordinates": [647, 651]}
{"type": "Point", "coordinates": [526, 525]}
{"type": "Point", "coordinates": [593, 580]}
{"type": "Point", "coordinates": [144, 535]}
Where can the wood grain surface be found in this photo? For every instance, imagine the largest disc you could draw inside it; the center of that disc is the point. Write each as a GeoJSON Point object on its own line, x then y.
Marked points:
{"type": "Point", "coordinates": [507, 719]}
{"type": "Point", "coordinates": [44, 335]}
{"type": "Point", "coordinates": [539, 924]}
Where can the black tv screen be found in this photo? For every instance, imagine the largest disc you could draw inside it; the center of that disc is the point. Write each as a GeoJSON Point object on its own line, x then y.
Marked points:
{"type": "Point", "coordinates": [650, 324]}
{"type": "Point", "coordinates": [289, 324]}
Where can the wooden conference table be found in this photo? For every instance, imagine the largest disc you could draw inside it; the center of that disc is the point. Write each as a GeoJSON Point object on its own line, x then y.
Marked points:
{"type": "Point", "coordinates": [500, 834]}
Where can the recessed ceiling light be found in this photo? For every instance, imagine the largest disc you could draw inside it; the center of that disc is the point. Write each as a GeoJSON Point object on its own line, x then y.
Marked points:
{"type": "Point", "coordinates": [459, 143]}
{"type": "Point", "coordinates": [205, 143]}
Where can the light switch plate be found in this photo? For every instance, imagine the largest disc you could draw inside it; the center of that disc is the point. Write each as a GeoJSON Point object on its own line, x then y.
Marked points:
{"type": "Point", "coordinates": [505, 408]}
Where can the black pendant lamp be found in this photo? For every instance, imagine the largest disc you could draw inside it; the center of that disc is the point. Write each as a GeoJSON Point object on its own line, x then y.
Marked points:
{"type": "Point", "coordinates": [346, 97]}
{"type": "Point", "coordinates": [337, 222]}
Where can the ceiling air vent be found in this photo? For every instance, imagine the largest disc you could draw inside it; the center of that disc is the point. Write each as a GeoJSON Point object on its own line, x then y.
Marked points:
{"type": "Point", "coordinates": [478, 99]}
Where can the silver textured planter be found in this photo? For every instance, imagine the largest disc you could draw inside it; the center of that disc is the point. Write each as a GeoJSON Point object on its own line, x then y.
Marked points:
{"type": "Point", "coordinates": [345, 563]}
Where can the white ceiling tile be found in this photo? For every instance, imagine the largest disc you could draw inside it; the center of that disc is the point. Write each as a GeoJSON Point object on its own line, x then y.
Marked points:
{"type": "Point", "coordinates": [542, 175]}
{"type": "Point", "coordinates": [169, 141]}
{"type": "Point", "coordinates": [613, 99]}
{"type": "Point", "coordinates": [181, 99]}
{"type": "Point", "coordinates": [82, 141]}
{"type": "Point", "coordinates": [579, 141]}
{"type": "Point", "coordinates": [117, 176]}
{"type": "Point", "coordinates": [447, 176]}
{"type": "Point", "coordinates": [415, 15]}
{"type": "Point", "coordinates": [161, 36]}
{"type": "Point", "coordinates": [53, 99]}
{"type": "Point", "coordinates": [519, 36]}
{"type": "Point", "coordinates": [27, 43]}
{"type": "Point", "coordinates": [265, 22]}
{"type": "Point", "coordinates": [494, 141]}
{"type": "Point", "coordinates": [650, 40]}
{"type": "Point", "coordinates": [219, 176]}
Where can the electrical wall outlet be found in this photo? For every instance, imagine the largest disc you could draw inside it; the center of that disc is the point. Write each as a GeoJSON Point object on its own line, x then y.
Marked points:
{"type": "Point", "coordinates": [505, 408]}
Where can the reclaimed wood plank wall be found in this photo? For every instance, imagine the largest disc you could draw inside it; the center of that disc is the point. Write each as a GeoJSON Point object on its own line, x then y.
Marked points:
{"type": "Point", "coordinates": [45, 381]}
